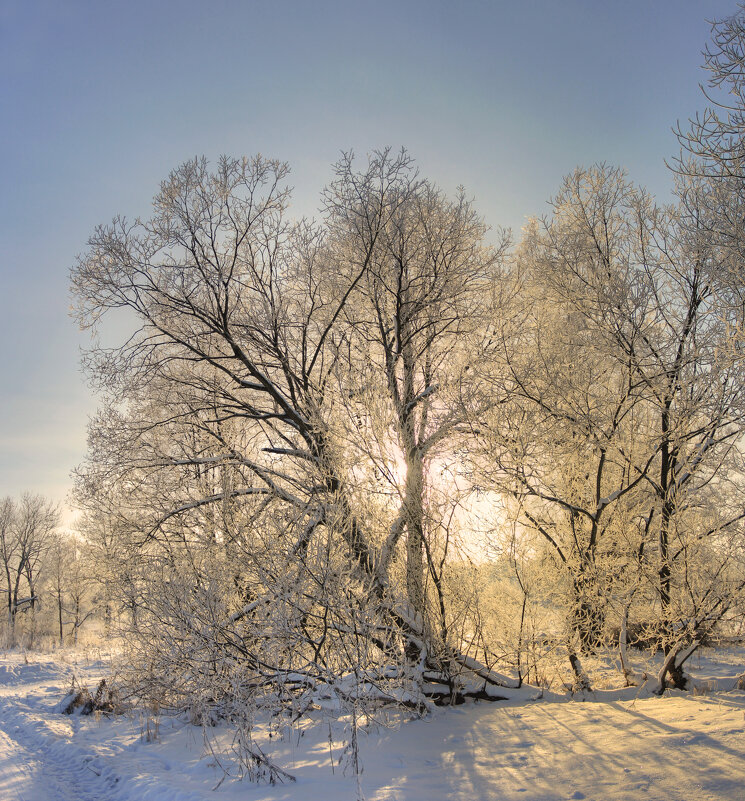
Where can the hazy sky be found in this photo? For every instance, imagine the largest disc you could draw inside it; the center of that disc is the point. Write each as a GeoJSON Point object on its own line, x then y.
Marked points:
{"type": "Point", "coordinates": [99, 100]}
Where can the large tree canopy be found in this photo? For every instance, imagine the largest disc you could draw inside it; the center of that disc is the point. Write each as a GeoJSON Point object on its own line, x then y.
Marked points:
{"type": "Point", "coordinates": [272, 418]}
{"type": "Point", "coordinates": [306, 420]}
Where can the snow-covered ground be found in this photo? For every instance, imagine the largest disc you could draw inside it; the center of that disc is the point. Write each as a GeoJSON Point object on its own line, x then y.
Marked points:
{"type": "Point", "coordinates": [679, 747]}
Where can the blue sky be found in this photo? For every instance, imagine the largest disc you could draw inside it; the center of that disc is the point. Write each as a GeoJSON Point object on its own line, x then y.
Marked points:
{"type": "Point", "coordinates": [100, 99]}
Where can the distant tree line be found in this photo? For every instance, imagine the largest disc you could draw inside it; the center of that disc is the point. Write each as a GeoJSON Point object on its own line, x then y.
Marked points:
{"type": "Point", "coordinates": [48, 586]}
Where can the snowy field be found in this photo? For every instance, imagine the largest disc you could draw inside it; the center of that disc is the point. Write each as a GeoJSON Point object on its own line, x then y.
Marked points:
{"type": "Point", "coordinates": [676, 748]}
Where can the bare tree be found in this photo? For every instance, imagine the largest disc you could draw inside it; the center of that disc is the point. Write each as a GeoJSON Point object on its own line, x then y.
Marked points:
{"type": "Point", "coordinates": [714, 137]}
{"type": "Point", "coordinates": [418, 324]}
{"type": "Point", "coordinates": [561, 439]}
{"type": "Point", "coordinates": [72, 580]}
{"type": "Point", "coordinates": [246, 543]}
{"type": "Point", "coordinates": [622, 398]}
{"type": "Point", "coordinates": [26, 529]}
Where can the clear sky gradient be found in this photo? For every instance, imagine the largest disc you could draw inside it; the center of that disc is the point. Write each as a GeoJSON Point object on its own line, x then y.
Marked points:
{"type": "Point", "coordinates": [99, 100]}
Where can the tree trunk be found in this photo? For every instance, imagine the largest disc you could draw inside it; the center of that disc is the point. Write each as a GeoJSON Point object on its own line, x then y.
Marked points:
{"type": "Point", "coordinates": [59, 617]}
{"type": "Point", "coordinates": [32, 613]}
{"type": "Point", "coordinates": [588, 609]}
{"type": "Point", "coordinates": [414, 492]}
{"type": "Point", "coordinates": [665, 575]}
{"type": "Point", "coordinates": [77, 620]}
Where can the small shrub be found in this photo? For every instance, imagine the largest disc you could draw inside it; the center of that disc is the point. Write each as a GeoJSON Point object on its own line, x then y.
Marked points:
{"type": "Point", "coordinates": [79, 700]}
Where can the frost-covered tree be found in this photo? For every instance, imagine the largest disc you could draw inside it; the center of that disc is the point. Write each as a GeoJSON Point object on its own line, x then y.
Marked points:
{"type": "Point", "coordinates": [715, 137]}
{"type": "Point", "coordinates": [71, 584]}
{"type": "Point", "coordinates": [26, 529]}
{"type": "Point", "coordinates": [418, 323]}
{"type": "Point", "coordinates": [560, 440]}
{"type": "Point", "coordinates": [256, 552]}
{"type": "Point", "coordinates": [621, 395]}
